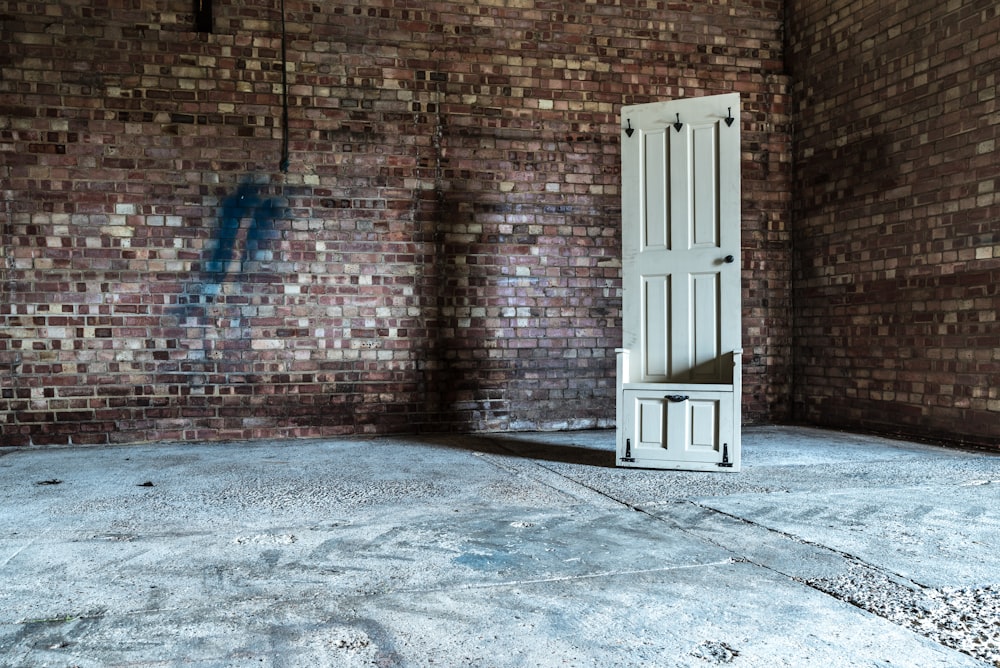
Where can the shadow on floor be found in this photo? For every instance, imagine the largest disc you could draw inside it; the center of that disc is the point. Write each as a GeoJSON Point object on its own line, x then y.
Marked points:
{"type": "Point", "coordinates": [527, 448]}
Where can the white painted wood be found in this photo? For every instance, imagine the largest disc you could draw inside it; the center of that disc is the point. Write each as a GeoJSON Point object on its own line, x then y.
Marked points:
{"type": "Point", "coordinates": [681, 305]}
{"type": "Point", "coordinates": [673, 434]}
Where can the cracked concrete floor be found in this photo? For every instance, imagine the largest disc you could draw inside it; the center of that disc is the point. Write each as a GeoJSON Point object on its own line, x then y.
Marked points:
{"type": "Point", "coordinates": [499, 550]}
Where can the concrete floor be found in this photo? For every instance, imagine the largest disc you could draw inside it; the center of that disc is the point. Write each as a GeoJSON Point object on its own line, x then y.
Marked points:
{"type": "Point", "coordinates": [828, 549]}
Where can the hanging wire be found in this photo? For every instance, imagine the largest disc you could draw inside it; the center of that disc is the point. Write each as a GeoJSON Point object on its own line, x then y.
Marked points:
{"type": "Point", "coordinates": [283, 165]}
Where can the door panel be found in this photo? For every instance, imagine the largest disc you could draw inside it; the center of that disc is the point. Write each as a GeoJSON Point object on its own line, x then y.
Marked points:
{"type": "Point", "coordinates": [656, 211]}
{"type": "Point", "coordinates": [656, 329]}
{"type": "Point", "coordinates": [704, 325]}
{"type": "Point", "coordinates": [704, 419]}
{"type": "Point", "coordinates": [652, 421]}
{"type": "Point", "coordinates": [704, 169]}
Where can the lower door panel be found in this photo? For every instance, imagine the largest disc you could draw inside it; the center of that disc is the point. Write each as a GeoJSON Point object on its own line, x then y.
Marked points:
{"type": "Point", "coordinates": [677, 428]}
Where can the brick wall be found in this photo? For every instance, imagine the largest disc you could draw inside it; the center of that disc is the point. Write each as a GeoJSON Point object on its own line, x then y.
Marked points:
{"type": "Point", "coordinates": [897, 217]}
{"type": "Point", "coordinates": [441, 253]}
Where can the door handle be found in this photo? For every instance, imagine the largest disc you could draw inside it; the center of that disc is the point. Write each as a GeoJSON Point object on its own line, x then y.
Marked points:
{"type": "Point", "coordinates": [729, 259]}
{"type": "Point", "coordinates": [677, 398]}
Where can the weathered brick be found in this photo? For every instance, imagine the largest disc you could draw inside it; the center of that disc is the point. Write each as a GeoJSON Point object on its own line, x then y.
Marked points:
{"type": "Point", "coordinates": [896, 222]}
{"type": "Point", "coordinates": [441, 253]}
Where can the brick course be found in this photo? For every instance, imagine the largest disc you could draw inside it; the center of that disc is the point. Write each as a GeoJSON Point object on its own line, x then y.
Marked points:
{"type": "Point", "coordinates": [442, 252]}
{"type": "Point", "coordinates": [897, 217]}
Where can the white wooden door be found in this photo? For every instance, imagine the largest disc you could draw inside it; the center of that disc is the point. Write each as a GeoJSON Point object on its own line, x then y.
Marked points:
{"type": "Point", "coordinates": [681, 284]}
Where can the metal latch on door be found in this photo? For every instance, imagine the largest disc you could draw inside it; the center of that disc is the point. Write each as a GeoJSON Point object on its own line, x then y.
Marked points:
{"type": "Point", "coordinates": [725, 463]}
{"type": "Point", "coordinates": [628, 451]}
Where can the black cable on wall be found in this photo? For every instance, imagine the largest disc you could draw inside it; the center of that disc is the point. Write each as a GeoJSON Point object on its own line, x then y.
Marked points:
{"type": "Point", "coordinates": [283, 165]}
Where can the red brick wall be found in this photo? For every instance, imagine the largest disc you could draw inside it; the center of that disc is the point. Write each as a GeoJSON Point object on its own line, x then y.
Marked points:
{"type": "Point", "coordinates": [442, 252]}
{"type": "Point", "coordinates": [897, 217]}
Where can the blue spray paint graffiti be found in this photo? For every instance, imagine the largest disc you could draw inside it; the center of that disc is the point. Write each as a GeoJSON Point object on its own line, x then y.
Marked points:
{"type": "Point", "coordinates": [244, 204]}
{"type": "Point", "coordinates": [245, 227]}
{"type": "Point", "coordinates": [244, 231]}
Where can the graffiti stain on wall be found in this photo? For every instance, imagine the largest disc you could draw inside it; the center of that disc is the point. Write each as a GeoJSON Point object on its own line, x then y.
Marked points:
{"type": "Point", "coordinates": [229, 255]}
{"type": "Point", "coordinates": [212, 333]}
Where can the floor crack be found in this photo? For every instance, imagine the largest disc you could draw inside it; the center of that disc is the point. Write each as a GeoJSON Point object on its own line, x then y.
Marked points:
{"type": "Point", "coordinates": [966, 620]}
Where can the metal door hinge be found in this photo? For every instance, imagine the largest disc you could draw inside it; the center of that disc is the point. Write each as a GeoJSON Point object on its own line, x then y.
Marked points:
{"type": "Point", "coordinates": [725, 463]}
{"type": "Point", "coordinates": [628, 451]}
